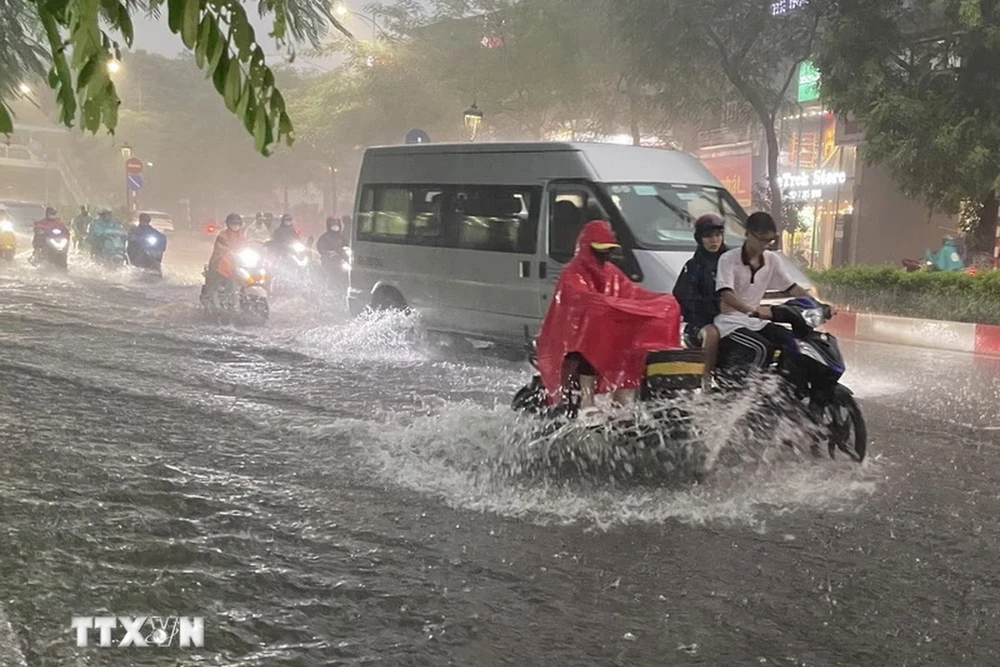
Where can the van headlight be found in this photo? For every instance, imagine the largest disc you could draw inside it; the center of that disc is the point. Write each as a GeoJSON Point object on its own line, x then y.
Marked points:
{"type": "Point", "coordinates": [248, 257]}
{"type": "Point", "coordinates": [814, 317]}
{"type": "Point", "coordinates": [6, 226]}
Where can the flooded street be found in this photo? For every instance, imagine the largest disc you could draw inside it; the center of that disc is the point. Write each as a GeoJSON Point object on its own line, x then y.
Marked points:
{"type": "Point", "coordinates": [321, 491]}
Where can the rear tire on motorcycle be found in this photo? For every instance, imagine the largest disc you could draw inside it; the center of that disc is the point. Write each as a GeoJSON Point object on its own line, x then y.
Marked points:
{"type": "Point", "coordinates": [256, 307]}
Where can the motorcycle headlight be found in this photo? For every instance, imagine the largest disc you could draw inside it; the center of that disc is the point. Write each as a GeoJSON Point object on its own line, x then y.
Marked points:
{"type": "Point", "coordinates": [151, 241]}
{"type": "Point", "coordinates": [58, 244]}
{"type": "Point", "coordinates": [814, 317]}
{"type": "Point", "coordinates": [248, 257]}
{"type": "Point", "coordinates": [297, 247]}
{"type": "Point", "coordinates": [345, 265]}
{"type": "Point", "coordinates": [6, 226]}
{"type": "Point", "coordinates": [348, 253]}
{"type": "Point", "coordinates": [57, 232]}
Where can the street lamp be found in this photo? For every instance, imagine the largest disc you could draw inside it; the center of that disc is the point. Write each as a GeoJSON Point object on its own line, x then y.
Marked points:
{"type": "Point", "coordinates": [126, 151]}
{"type": "Point", "coordinates": [114, 66]}
{"type": "Point", "coordinates": [341, 11]}
{"type": "Point", "coordinates": [473, 119]}
{"type": "Point", "coordinates": [24, 88]}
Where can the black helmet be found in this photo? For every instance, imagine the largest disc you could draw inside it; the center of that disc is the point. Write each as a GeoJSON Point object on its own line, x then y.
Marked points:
{"type": "Point", "coordinates": [233, 219]}
{"type": "Point", "coordinates": [144, 218]}
{"type": "Point", "coordinates": [707, 224]}
{"type": "Point", "coordinates": [50, 212]}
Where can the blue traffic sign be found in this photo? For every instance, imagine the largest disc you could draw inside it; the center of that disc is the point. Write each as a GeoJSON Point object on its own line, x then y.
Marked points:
{"type": "Point", "coordinates": [134, 182]}
{"type": "Point", "coordinates": [417, 137]}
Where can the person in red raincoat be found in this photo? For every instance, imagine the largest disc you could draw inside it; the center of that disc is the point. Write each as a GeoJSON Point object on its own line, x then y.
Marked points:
{"type": "Point", "coordinates": [603, 323]}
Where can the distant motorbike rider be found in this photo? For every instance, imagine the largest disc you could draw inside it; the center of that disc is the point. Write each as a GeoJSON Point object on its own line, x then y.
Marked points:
{"type": "Point", "coordinates": [285, 234]}
{"type": "Point", "coordinates": [80, 224]}
{"type": "Point", "coordinates": [258, 230]}
{"type": "Point", "coordinates": [102, 228]}
{"type": "Point", "coordinates": [330, 245]}
{"type": "Point", "coordinates": [146, 244]}
{"type": "Point", "coordinates": [220, 265]}
{"type": "Point", "coordinates": [45, 226]}
{"type": "Point", "coordinates": [695, 289]}
{"type": "Point", "coordinates": [603, 322]}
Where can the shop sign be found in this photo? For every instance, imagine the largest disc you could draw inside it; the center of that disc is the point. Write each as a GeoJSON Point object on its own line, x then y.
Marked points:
{"type": "Point", "coordinates": [808, 82]}
{"type": "Point", "coordinates": [808, 186]}
{"type": "Point", "coordinates": [736, 174]}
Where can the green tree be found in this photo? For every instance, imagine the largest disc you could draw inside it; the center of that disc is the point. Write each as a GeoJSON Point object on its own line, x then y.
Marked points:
{"type": "Point", "coordinates": [923, 78]}
{"type": "Point", "coordinates": [69, 43]}
{"type": "Point", "coordinates": [704, 47]}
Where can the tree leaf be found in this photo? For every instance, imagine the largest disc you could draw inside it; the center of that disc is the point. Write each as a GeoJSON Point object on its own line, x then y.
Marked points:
{"type": "Point", "coordinates": [87, 72]}
{"type": "Point", "coordinates": [6, 120]}
{"type": "Point", "coordinates": [261, 129]}
{"type": "Point", "coordinates": [201, 50]}
{"type": "Point", "coordinates": [217, 47]}
{"type": "Point", "coordinates": [189, 31]}
{"type": "Point", "coordinates": [124, 25]}
{"type": "Point", "coordinates": [219, 76]}
{"type": "Point", "coordinates": [233, 82]}
{"type": "Point", "coordinates": [243, 34]}
{"type": "Point", "coordinates": [175, 14]}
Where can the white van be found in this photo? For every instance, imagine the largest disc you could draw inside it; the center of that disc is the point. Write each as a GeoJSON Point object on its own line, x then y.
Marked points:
{"type": "Point", "coordinates": [473, 236]}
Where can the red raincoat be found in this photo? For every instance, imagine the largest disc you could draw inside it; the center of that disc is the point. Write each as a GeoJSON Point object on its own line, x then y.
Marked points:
{"type": "Point", "coordinates": [601, 314]}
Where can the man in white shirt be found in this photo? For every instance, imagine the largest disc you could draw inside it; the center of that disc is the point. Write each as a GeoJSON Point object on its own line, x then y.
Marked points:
{"type": "Point", "coordinates": [744, 276]}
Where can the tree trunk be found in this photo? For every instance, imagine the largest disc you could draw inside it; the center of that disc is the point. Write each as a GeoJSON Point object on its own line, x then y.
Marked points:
{"type": "Point", "coordinates": [984, 236]}
{"type": "Point", "coordinates": [634, 120]}
{"type": "Point", "coordinates": [773, 151]}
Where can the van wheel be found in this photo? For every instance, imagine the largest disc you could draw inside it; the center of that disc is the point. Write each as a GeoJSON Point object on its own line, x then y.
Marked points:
{"type": "Point", "coordinates": [388, 299]}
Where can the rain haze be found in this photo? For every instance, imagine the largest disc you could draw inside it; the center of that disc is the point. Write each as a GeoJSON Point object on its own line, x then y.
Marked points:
{"type": "Point", "coordinates": [564, 332]}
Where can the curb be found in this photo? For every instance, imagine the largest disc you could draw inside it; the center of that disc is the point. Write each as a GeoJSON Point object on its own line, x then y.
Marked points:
{"type": "Point", "coordinates": [934, 334]}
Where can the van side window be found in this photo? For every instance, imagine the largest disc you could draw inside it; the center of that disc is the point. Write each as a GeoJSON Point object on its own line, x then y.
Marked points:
{"type": "Point", "coordinates": [385, 214]}
{"type": "Point", "coordinates": [428, 216]}
{"type": "Point", "coordinates": [496, 219]}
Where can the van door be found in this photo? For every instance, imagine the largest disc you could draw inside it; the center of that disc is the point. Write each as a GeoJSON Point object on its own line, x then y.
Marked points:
{"type": "Point", "coordinates": [493, 272]}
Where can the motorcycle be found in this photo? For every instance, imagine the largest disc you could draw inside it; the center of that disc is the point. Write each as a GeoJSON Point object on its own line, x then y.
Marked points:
{"type": "Point", "coordinates": [8, 241]}
{"type": "Point", "coordinates": [54, 250]}
{"type": "Point", "coordinates": [809, 373]}
{"type": "Point", "coordinates": [243, 294]}
{"type": "Point", "coordinates": [289, 265]}
{"type": "Point", "coordinates": [337, 268]}
{"type": "Point", "coordinates": [111, 249]}
{"type": "Point", "coordinates": [146, 253]}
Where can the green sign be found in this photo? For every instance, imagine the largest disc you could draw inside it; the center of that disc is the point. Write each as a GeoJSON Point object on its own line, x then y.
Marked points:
{"type": "Point", "coordinates": [808, 82]}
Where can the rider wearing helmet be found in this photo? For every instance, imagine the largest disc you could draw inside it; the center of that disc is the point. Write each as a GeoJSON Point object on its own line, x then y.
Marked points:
{"type": "Point", "coordinates": [220, 266]}
{"type": "Point", "coordinates": [105, 228]}
{"type": "Point", "coordinates": [50, 222]}
{"type": "Point", "coordinates": [695, 289]}
{"type": "Point", "coordinates": [144, 242]}
{"type": "Point", "coordinates": [285, 233]}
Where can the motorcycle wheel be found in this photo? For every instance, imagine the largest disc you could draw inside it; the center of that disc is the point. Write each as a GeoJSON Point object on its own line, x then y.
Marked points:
{"type": "Point", "coordinates": [530, 398]}
{"type": "Point", "coordinates": [848, 431]}
{"type": "Point", "coordinates": [256, 308]}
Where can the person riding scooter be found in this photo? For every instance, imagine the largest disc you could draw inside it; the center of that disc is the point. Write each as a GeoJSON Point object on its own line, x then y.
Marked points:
{"type": "Point", "coordinates": [220, 265]}
{"type": "Point", "coordinates": [146, 245]}
{"type": "Point", "coordinates": [80, 225]}
{"type": "Point", "coordinates": [45, 226]}
{"type": "Point", "coordinates": [285, 234]}
{"type": "Point", "coordinates": [695, 290]}
{"type": "Point", "coordinates": [106, 231]}
{"type": "Point", "coordinates": [602, 323]}
{"type": "Point", "coordinates": [331, 246]}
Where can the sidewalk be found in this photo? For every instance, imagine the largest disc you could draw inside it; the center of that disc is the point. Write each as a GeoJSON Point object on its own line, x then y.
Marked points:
{"type": "Point", "coordinates": [934, 334]}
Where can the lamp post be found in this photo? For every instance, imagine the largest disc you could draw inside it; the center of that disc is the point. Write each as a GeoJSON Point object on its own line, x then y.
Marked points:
{"type": "Point", "coordinates": [126, 154]}
{"type": "Point", "coordinates": [473, 119]}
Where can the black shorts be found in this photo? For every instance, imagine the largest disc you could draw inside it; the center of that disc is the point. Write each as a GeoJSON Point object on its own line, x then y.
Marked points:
{"type": "Point", "coordinates": [583, 366]}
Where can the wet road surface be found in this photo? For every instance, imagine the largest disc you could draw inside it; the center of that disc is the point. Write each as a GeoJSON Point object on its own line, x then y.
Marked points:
{"type": "Point", "coordinates": [321, 491]}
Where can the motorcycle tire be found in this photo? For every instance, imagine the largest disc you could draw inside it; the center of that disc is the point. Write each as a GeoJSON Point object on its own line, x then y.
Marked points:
{"type": "Point", "coordinates": [257, 308]}
{"type": "Point", "coordinates": [530, 398]}
{"type": "Point", "coordinates": [843, 438]}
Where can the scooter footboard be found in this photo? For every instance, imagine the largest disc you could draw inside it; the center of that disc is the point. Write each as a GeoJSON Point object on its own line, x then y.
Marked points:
{"type": "Point", "coordinates": [674, 370]}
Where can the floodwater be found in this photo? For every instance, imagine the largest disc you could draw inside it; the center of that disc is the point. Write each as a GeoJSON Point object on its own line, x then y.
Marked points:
{"type": "Point", "coordinates": [327, 491]}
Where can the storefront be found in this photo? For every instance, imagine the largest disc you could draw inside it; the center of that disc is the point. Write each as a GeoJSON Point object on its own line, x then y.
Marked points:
{"type": "Point", "coordinates": [818, 176]}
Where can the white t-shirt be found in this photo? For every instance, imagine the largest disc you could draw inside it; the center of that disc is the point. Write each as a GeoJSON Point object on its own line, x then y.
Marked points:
{"type": "Point", "coordinates": [749, 286]}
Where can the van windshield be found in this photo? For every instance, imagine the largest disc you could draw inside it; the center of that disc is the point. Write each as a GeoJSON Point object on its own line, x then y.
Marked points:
{"type": "Point", "coordinates": [661, 215]}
